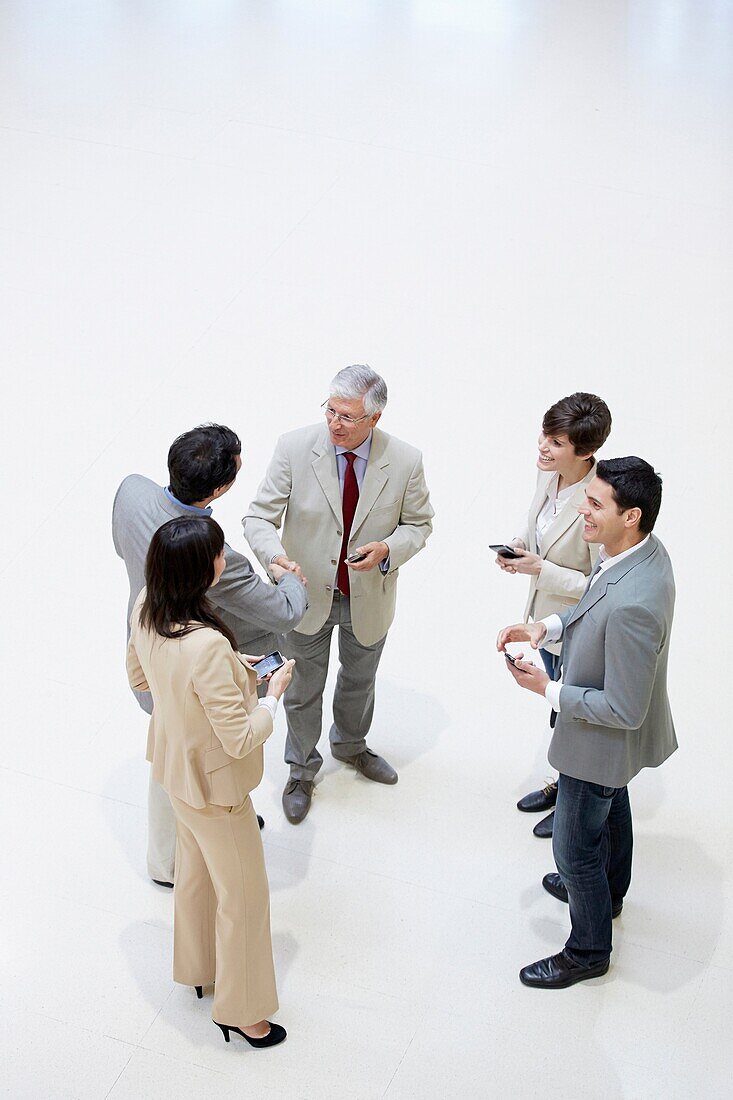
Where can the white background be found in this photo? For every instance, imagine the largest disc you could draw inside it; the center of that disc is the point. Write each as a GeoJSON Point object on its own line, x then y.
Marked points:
{"type": "Point", "coordinates": [206, 209]}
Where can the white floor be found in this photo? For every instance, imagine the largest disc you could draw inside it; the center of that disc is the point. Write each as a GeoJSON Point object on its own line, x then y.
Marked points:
{"type": "Point", "coordinates": [206, 209]}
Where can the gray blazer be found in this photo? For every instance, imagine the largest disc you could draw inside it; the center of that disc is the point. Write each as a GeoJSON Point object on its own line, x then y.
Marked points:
{"type": "Point", "coordinates": [254, 610]}
{"type": "Point", "coordinates": [614, 715]}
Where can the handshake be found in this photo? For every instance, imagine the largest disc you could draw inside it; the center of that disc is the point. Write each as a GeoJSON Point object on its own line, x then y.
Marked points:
{"type": "Point", "coordinates": [363, 559]}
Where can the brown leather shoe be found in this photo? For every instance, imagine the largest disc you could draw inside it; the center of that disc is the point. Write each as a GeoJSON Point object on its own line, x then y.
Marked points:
{"type": "Point", "coordinates": [371, 766]}
{"type": "Point", "coordinates": [297, 799]}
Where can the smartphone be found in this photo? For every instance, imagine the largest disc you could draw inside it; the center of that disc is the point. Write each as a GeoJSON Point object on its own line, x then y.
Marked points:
{"type": "Point", "coordinates": [271, 663]}
{"type": "Point", "coordinates": [510, 659]}
{"type": "Point", "coordinates": [355, 557]}
{"type": "Point", "coordinates": [505, 551]}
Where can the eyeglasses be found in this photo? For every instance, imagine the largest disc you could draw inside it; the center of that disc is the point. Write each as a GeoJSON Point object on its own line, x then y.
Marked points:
{"type": "Point", "coordinates": [331, 414]}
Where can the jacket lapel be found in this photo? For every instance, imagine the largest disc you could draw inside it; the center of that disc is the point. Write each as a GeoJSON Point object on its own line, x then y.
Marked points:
{"type": "Point", "coordinates": [540, 496]}
{"type": "Point", "coordinates": [609, 577]}
{"type": "Point", "coordinates": [375, 478]}
{"type": "Point", "coordinates": [324, 467]}
{"type": "Point", "coordinates": [567, 516]}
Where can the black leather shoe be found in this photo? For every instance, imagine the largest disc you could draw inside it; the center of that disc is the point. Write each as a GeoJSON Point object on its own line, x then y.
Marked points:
{"type": "Point", "coordinates": [260, 822]}
{"type": "Point", "coordinates": [555, 886]}
{"type": "Point", "coordinates": [538, 802]}
{"type": "Point", "coordinates": [159, 883]}
{"type": "Point", "coordinates": [558, 972]}
{"type": "Point", "coordinates": [543, 829]}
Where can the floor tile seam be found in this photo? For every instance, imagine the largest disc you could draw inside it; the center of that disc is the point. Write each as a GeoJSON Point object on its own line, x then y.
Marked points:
{"type": "Point", "coordinates": [155, 1018]}
{"type": "Point", "coordinates": [419, 152]}
{"type": "Point", "coordinates": [101, 144]}
{"type": "Point", "coordinates": [364, 143]}
{"type": "Point", "coordinates": [74, 1026]}
{"type": "Point", "coordinates": [131, 917]}
{"type": "Point", "coordinates": [265, 263]}
{"type": "Point", "coordinates": [114, 1083]}
{"type": "Point", "coordinates": [185, 1062]}
{"type": "Point", "coordinates": [399, 1064]}
{"type": "Point", "coordinates": [70, 787]}
{"type": "Point", "coordinates": [267, 843]}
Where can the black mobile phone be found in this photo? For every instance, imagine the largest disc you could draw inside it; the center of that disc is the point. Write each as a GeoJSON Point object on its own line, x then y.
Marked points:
{"type": "Point", "coordinates": [504, 551]}
{"type": "Point", "coordinates": [510, 659]}
{"type": "Point", "coordinates": [355, 557]}
{"type": "Point", "coordinates": [271, 663]}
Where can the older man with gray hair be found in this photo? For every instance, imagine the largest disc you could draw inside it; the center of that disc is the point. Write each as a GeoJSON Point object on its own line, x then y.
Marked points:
{"type": "Point", "coordinates": [355, 508]}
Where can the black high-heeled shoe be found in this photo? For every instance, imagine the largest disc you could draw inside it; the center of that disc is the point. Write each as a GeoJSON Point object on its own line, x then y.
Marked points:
{"type": "Point", "coordinates": [275, 1035]}
{"type": "Point", "coordinates": [199, 991]}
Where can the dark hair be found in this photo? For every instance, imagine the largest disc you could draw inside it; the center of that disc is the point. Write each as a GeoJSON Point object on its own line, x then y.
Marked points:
{"type": "Point", "coordinates": [179, 568]}
{"type": "Point", "coordinates": [583, 417]}
{"type": "Point", "coordinates": [635, 485]}
{"type": "Point", "coordinates": [201, 461]}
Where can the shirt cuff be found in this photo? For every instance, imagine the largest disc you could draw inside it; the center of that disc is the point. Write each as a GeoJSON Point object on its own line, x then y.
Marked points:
{"type": "Point", "coordinates": [552, 694]}
{"type": "Point", "coordinates": [270, 703]}
{"type": "Point", "coordinates": [384, 565]}
{"type": "Point", "coordinates": [554, 630]}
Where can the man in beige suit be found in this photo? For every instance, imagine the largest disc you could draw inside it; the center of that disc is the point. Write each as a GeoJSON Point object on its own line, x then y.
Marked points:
{"type": "Point", "coordinates": [346, 489]}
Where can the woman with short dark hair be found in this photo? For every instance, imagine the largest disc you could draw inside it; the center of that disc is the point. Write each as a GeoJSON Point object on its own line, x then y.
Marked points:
{"type": "Point", "coordinates": [205, 745]}
{"type": "Point", "coordinates": [551, 550]}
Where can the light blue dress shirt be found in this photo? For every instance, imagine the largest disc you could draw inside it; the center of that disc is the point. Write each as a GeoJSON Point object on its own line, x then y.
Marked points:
{"type": "Point", "coordinates": [360, 465]}
{"type": "Point", "coordinates": [189, 507]}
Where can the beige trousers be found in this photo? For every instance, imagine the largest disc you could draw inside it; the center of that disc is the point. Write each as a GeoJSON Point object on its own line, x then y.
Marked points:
{"type": "Point", "coordinates": [221, 925]}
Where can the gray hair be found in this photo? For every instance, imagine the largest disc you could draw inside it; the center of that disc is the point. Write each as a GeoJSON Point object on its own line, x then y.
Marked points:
{"type": "Point", "coordinates": [358, 381]}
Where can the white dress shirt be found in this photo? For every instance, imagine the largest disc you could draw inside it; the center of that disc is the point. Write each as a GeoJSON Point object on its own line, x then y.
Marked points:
{"type": "Point", "coordinates": [554, 622]}
{"type": "Point", "coordinates": [269, 702]}
{"type": "Point", "coordinates": [554, 503]}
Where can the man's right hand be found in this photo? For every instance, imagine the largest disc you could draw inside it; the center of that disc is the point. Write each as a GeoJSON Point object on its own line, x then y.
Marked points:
{"type": "Point", "coordinates": [281, 565]}
{"type": "Point", "coordinates": [533, 633]}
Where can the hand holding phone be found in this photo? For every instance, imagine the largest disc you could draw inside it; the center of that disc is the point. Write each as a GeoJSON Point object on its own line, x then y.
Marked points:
{"type": "Point", "coordinates": [504, 551]}
{"type": "Point", "coordinates": [268, 664]}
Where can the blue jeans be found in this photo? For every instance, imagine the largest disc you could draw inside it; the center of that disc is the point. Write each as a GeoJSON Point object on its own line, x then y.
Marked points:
{"type": "Point", "coordinates": [592, 842]}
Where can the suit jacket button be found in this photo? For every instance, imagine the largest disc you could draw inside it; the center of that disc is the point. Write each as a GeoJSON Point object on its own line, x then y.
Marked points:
{"type": "Point", "coordinates": [339, 533]}
{"type": "Point", "coordinates": [328, 587]}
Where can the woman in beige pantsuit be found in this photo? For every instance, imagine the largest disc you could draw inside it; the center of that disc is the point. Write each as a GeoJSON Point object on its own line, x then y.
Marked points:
{"type": "Point", "coordinates": [551, 549]}
{"type": "Point", "coordinates": [205, 746]}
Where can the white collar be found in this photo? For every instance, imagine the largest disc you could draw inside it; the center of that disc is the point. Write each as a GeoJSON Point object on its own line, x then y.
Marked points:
{"type": "Point", "coordinates": [607, 561]}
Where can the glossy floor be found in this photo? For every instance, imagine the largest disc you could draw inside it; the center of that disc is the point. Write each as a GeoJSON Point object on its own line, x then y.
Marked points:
{"type": "Point", "coordinates": [206, 209]}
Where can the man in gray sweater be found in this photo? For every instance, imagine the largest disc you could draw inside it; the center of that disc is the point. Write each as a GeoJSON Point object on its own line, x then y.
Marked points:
{"type": "Point", "coordinates": [613, 713]}
{"type": "Point", "coordinates": [202, 466]}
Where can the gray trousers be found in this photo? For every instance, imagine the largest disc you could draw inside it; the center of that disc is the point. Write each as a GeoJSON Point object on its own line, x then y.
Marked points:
{"type": "Point", "coordinates": [353, 699]}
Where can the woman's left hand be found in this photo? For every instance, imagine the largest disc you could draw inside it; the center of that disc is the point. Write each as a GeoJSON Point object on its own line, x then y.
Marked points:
{"type": "Point", "coordinates": [527, 563]}
{"type": "Point", "coordinates": [253, 661]}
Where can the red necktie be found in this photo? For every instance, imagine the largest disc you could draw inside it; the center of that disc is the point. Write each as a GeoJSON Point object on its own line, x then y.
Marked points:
{"type": "Point", "coordinates": [348, 504]}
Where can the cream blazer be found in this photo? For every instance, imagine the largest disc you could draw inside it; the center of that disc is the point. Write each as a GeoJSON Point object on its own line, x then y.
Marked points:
{"type": "Point", "coordinates": [206, 731]}
{"type": "Point", "coordinates": [302, 484]}
{"type": "Point", "coordinates": [567, 560]}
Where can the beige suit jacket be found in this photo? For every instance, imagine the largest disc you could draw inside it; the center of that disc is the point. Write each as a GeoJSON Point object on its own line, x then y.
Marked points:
{"type": "Point", "coordinates": [206, 732]}
{"type": "Point", "coordinates": [567, 560]}
{"type": "Point", "coordinates": [302, 485]}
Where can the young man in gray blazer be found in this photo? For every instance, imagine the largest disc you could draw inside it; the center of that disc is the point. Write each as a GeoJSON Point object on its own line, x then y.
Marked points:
{"type": "Point", "coordinates": [356, 508]}
{"type": "Point", "coordinates": [613, 714]}
{"type": "Point", "coordinates": [202, 466]}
